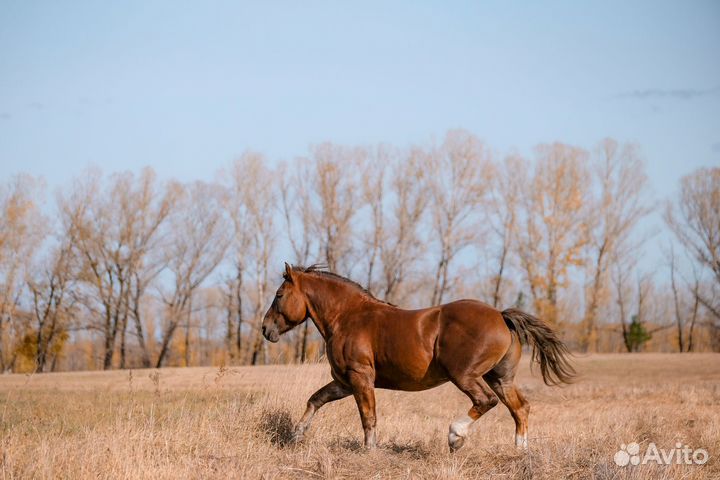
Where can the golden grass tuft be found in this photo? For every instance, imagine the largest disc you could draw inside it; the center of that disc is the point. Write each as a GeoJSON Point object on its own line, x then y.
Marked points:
{"type": "Point", "coordinates": [236, 423]}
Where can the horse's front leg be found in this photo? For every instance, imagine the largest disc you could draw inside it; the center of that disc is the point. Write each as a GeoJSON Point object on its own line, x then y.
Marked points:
{"type": "Point", "coordinates": [329, 393]}
{"type": "Point", "coordinates": [363, 386]}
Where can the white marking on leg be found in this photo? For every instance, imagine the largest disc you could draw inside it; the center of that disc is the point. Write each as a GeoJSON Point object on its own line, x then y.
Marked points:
{"type": "Point", "coordinates": [521, 441]}
{"type": "Point", "coordinates": [370, 439]}
{"type": "Point", "coordinates": [460, 428]}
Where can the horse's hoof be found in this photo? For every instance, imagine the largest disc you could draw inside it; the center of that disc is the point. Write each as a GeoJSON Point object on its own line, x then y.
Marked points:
{"type": "Point", "coordinates": [297, 437]}
{"type": "Point", "coordinates": [455, 442]}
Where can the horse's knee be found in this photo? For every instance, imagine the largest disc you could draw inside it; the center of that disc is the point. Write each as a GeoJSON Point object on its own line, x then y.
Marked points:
{"type": "Point", "coordinates": [314, 403]}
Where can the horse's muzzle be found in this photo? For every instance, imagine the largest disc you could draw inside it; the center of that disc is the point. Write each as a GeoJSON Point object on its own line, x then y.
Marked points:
{"type": "Point", "coordinates": [271, 334]}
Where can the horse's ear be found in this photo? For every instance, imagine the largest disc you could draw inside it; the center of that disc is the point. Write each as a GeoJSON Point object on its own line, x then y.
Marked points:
{"type": "Point", "coordinates": [288, 275]}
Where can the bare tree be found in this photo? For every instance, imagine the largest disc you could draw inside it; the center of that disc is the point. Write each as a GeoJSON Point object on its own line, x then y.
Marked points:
{"type": "Point", "coordinates": [457, 181]}
{"type": "Point", "coordinates": [200, 237]}
{"type": "Point", "coordinates": [240, 185]}
{"type": "Point", "coordinates": [620, 275]}
{"type": "Point", "coordinates": [147, 208]}
{"type": "Point", "coordinates": [614, 214]}
{"type": "Point", "coordinates": [695, 220]}
{"type": "Point", "coordinates": [686, 313]}
{"type": "Point", "coordinates": [555, 231]}
{"type": "Point", "coordinates": [254, 205]}
{"type": "Point", "coordinates": [373, 195]}
{"type": "Point", "coordinates": [334, 186]}
{"type": "Point", "coordinates": [298, 213]}
{"type": "Point", "coordinates": [93, 223]}
{"type": "Point", "coordinates": [21, 232]}
{"type": "Point", "coordinates": [695, 309]}
{"type": "Point", "coordinates": [504, 202]}
{"type": "Point", "coordinates": [115, 231]}
{"type": "Point", "coordinates": [402, 245]}
{"type": "Point", "coordinates": [634, 340]}
{"type": "Point", "coordinates": [298, 210]}
{"type": "Point", "coordinates": [51, 288]}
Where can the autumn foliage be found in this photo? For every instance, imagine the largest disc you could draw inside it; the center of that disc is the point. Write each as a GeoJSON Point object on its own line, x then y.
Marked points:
{"type": "Point", "coordinates": [129, 270]}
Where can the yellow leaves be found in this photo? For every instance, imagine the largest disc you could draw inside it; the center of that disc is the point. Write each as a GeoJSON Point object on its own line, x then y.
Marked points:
{"type": "Point", "coordinates": [547, 310]}
{"type": "Point", "coordinates": [556, 234]}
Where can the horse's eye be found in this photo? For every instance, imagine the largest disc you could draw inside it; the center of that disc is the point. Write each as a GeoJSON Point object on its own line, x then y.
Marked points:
{"type": "Point", "coordinates": [278, 295]}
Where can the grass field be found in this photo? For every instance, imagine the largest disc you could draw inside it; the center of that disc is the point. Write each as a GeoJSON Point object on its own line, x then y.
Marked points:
{"type": "Point", "coordinates": [220, 423]}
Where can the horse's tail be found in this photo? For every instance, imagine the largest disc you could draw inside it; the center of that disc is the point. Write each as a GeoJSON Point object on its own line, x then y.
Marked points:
{"type": "Point", "coordinates": [547, 349]}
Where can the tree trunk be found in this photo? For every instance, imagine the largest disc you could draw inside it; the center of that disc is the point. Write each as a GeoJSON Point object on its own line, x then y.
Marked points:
{"type": "Point", "coordinates": [41, 355]}
{"type": "Point", "coordinates": [239, 313]}
{"type": "Point", "coordinates": [110, 332]}
{"type": "Point", "coordinates": [257, 349]}
{"type": "Point", "coordinates": [440, 280]}
{"type": "Point", "coordinates": [303, 345]}
{"type": "Point", "coordinates": [144, 354]}
{"type": "Point", "coordinates": [693, 319]}
{"type": "Point", "coordinates": [590, 338]}
{"type": "Point", "coordinates": [676, 299]}
{"type": "Point", "coordinates": [2, 353]}
{"type": "Point", "coordinates": [123, 330]}
{"type": "Point", "coordinates": [499, 278]}
{"type": "Point", "coordinates": [41, 349]}
{"type": "Point", "coordinates": [187, 335]}
{"type": "Point", "coordinates": [109, 350]}
{"type": "Point", "coordinates": [621, 306]}
{"type": "Point", "coordinates": [229, 328]}
{"type": "Point", "coordinates": [166, 343]}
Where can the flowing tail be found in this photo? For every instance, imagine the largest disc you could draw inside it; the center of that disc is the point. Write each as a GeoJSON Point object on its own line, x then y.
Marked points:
{"type": "Point", "coordinates": [547, 349]}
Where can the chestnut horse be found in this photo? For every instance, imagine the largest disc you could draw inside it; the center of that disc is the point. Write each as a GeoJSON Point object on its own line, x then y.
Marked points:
{"type": "Point", "coordinates": [372, 344]}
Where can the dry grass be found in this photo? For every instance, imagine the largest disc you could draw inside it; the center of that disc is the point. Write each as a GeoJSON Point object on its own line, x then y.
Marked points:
{"type": "Point", "coordinates": [219, 423]}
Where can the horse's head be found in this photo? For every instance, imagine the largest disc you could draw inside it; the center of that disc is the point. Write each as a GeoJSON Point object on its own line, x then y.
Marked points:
{"type": "Point", "coordinates": [288, 309]}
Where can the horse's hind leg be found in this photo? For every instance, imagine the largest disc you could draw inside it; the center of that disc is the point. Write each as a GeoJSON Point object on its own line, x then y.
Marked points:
{"type": "Point", "coordinates": [483, 400]}
{"type": "Point", "coordinates": [518, 406]}
{"type": "Point", "coordinates": [501, 379]}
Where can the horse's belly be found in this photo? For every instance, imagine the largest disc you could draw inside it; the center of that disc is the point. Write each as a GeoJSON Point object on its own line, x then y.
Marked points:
{"type": "Point", "coordinates": [408, 379]}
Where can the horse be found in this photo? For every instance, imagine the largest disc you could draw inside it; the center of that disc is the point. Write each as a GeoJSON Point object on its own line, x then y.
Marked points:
{"type": "Point", "coordinates": [374, 344]}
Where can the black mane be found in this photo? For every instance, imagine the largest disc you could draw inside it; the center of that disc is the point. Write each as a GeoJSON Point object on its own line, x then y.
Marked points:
{"type": "Point", "coordinates": [320, 269]}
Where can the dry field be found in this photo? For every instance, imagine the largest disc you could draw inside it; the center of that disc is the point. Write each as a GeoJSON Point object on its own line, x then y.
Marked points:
{"type": "Point", "coordinates": [220, 423]}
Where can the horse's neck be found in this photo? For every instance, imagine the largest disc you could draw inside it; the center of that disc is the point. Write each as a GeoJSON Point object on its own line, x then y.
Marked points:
{"type": "Point", "coordinates": [326, 308]}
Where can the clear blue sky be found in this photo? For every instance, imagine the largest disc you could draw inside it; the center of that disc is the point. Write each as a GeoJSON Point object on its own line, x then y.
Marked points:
{"type": "Point", "coordinates": [186, 87]}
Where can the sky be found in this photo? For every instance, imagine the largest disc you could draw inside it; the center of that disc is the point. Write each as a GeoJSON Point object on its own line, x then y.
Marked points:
{"type": "Point", "coordinates": [186, 87]}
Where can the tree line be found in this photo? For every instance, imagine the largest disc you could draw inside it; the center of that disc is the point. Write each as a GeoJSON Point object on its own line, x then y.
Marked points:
{"type": "Point", "coordinates": [128, 270]}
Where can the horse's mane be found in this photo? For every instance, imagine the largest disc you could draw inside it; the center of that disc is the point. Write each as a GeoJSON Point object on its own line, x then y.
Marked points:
{"type": "Point", "coordinates": [321, 269]}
